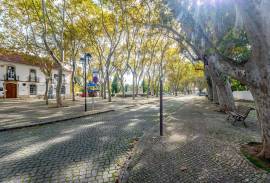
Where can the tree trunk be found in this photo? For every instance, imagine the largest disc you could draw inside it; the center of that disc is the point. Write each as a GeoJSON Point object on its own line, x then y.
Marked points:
{"type": "Point", "coordinates": [123, 88]}
{"type": "Point", "coordinates": [73, 80]}
{"type": "Point", "coordinates": [59, 86]}
{"type": "Point", "coordinates": [104, 90]}
{"type": "Point", "coordinates": [137, 86]}
{"type": "Point", "coordinates": [157, 89]}
{"type": "Point", "coordinates": [101, 90]}
{"type": "Point", "coordinates": [257, 26]}
{"type": "Point", "coordinates": [133, 86]}
{"type": "Point", "coordinates": [225, 96]}
{"type": "Point", "coordinates": [210, 90]}
{"type": "Point", "coordinates": [108, 86]}
{"type": "Point", "coordinates": [46, 98]}
{"type": "Point", "coordinates": [214, 91]}
{"type": "Point", "coordinates": [262, 102]}
{"type": "Point", "coordinates": [153, 90]}
{"type": "Point", "coordinates": [223, 87]}
{"type": "Point", "coordinates": [148, 86]}
{"type": "Point", "coordinates": [209, 85]}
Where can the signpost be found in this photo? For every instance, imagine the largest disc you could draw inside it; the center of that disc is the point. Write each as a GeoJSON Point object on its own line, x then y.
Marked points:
{"type": "Point", "coordinates": [92, 85]}
{"type": "Point", "coordinates": [84, 60]}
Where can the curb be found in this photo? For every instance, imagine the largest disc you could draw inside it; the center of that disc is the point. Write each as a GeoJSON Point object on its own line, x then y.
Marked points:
{"type": "Point", "coordinates": [55, 121]}
{"type": "Point", "coordinates": [136, 153]}
{"type": "Point", "coordinates": [52, 121]}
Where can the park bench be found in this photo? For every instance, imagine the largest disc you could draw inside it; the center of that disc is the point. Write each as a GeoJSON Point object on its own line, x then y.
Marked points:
{"type": "Point", "coordinates": [240, 114]}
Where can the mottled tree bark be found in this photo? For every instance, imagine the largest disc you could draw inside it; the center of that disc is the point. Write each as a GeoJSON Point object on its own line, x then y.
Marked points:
{"type": "Point", "coordinates": [223, 87]}
{"type": "Point", "coordinates": [108, 86]}
{"type": "Point", "coordinates": [123, 88]}
{"type": "Point", "coordinates": [148, 85]}
{"type": "Point", "coordinates": [46, 98]}
{"type": "Point", "coordinates": [257, 71]}
{"type": "Point", "coordinates": [214, 90]}
{"type": "Point", "coordinates": [133, 86]}
{"type": "Point", "coordinates": [59, 86]}
{"type": "Point", "coordinates": [209, 85]}
{"type": "Point", "coordinates": [101, 90]}
{"type": "Point", "coordinates": [262, 102]}
{"type": "Point", "coordinates": [104, 90]}
{"type": "Point", "coordinates": [73, 80]}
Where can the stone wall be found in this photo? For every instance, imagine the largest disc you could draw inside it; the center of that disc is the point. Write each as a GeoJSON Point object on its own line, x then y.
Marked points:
{"type": "Point", "coordinates": [242, 95]}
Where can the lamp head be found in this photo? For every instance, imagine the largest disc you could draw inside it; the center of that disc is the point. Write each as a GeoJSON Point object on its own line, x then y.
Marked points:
{"type": "Point", "coordinates": [88, 56]}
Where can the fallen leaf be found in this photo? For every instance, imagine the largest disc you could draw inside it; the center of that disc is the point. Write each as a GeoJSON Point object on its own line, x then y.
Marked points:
{"type": "Point", "coordinates": [183, 168]}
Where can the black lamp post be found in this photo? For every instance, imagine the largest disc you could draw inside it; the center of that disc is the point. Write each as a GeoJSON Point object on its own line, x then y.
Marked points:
{"type": "Point", "coordinates": [84, 60]}
{"type": "Point", "coordinates": [161, 100]}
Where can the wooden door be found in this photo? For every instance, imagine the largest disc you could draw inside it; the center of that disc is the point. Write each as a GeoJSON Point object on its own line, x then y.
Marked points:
{"type": "Point", "coordinates": [11, 90]}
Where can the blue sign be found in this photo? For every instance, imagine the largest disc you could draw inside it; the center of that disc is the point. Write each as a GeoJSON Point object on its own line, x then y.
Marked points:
{"type": "Point", "coordinates": [95, 76]}
{"type": "Point", "coordinates": [92, 85]}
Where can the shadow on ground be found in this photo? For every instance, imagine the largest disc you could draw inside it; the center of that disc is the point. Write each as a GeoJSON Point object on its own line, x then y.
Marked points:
{"type": "Point", "coordinates": [86, 150]}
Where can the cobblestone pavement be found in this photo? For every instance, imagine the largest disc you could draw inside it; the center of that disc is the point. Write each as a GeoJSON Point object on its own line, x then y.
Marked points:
{"type": "Point", "coordinates": [199, 146]}
{"type": "Point", "coordinates": [89, 149]}
{"type": "Point", "coordinates": [19, 113]}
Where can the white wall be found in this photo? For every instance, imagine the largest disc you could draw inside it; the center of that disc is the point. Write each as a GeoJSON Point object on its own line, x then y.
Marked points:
{"type": "Point", "coordinates": [242, 95]}
{"type": "Point", "coordinates": [2, 70]}
{"type": "Point", "coordinates": [23, 71]}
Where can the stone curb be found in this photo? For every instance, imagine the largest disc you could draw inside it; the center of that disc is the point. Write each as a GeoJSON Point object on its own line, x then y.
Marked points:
{"type": "Point", "coordinates": [138, 150]}
{"type": "Point", "coordinates": [136, 153]}
{"type": "Point", "coordinates": [51, 121]}
{"type": "Point", "coordinates": [55, 120]}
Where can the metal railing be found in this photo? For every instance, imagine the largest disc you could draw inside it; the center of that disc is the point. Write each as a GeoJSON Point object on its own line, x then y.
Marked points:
{"type": "Point", "coordinates": [7, 77]}
{"type": "Point", "coordinates": [33, 78]}
{"type": "Point", "coordinates": [54, 81]}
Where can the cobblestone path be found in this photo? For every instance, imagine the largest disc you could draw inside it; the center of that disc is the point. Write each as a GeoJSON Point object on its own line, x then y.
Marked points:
{"type": "Point", "coordinates": [84, 150]}
{"type": "Point", "coordinates": [199, 146]}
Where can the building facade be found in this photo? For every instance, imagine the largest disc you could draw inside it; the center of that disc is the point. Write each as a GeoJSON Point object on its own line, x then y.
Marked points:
{"type": "Point", "coordinates": [21, 79]}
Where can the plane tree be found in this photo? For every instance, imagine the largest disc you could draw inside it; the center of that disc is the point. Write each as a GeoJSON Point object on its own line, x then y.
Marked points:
{"type": "Point", "coordinates": [247, 62]}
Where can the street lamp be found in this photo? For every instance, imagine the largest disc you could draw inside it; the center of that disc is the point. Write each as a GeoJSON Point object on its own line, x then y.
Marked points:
{"type": "Point", "coordinates": [161, 99]}
{"type": "Point", "coordinates": [85, 60]}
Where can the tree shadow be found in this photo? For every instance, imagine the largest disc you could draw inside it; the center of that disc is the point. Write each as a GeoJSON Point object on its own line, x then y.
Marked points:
{"type": "Point", "coordinates": [198, 146]}
{"type": "Point", "coordinates": [86, 149]}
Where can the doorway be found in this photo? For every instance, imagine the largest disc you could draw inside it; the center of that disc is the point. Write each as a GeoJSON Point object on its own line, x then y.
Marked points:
{"type": "Point", "coordinates": [11, 90]}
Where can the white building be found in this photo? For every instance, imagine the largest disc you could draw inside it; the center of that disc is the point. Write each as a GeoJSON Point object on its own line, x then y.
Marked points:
{"type": "Point", "coordinates": [20, 78]}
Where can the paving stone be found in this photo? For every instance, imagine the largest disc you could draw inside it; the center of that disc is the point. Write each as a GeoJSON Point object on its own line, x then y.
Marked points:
{"type": "Point", "coordinates": [77, 150]}
{"type": "Point", "coordinates": [202, 141]}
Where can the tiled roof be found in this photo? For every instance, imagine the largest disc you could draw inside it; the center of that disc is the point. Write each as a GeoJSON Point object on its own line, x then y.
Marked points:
{"type": "Point", "coordinates": [21, 58]}
{"type": "Point", "coordinates": [18, 59]}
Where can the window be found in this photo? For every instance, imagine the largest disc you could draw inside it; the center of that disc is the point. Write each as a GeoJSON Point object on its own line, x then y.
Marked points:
{"type": "Point", "coordinates": [63, 90]}
{"type": "Point", "coordinates": [32, 76]}
{"type": "Point", "coordinates": [11, 73]}
{"type": "Point", "coordinates": [63, 78]}
{"type": "Point", "coordinates": [33, 89]}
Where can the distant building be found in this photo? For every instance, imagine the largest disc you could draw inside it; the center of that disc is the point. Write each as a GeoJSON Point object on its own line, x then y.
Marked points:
{"type": "Point", "coordinates": [20, 78]}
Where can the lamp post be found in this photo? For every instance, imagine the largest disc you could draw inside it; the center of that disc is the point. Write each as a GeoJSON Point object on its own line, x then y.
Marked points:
{"type": "Point", "coordinates": [84, 60]}
{"type": "Point", "coordinates": [161, 100]}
